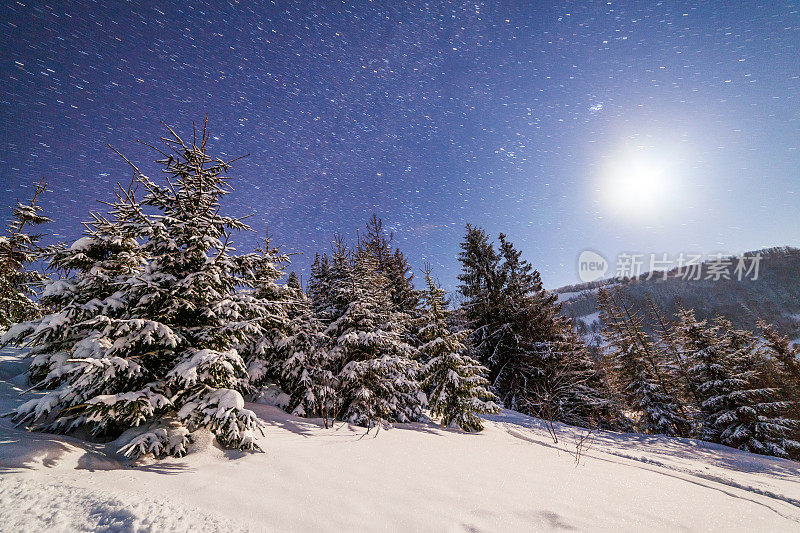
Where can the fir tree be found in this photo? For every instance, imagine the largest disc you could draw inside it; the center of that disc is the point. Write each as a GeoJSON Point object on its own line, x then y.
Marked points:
{"type": "Point", "coordinates": [458, 390]}
{"type": "Point", "coordinates": [676, 364]}
{"type": "Point", "coordinates": [392, 264]}
{"type": "Point", "coordinates": [786, 355]}
{"type": "Point", "coordinates": [694, 339]}
{"type": "Point", "coordinates": [570, 387]}
{"type": "Point", "coordinates": [659, 415]}
{"type": "Point", "coordinates": [782, 372]}
{"type": "Point", "coordinates": [639, 368]}
{"type": "Point", "coordinates": [537, 363]}
{"type": "Point", "coordinates": [293, 282]}
{"type": "Point", "coordinates": [93, 272]}
{"type": "Point", "coordinates": [18, 250]}
{"type": "Point", "coordinates": [339, 286]}
{"type": "Point", "coordinates": [271, 303]}
{"type": "Point", "coordinates": [378, 377]}
{"type": "Point", "coordinates": [300, 363]}
{"type": "Point", "coordinates": [306, 370]}
{"type": "Point", "coordinates": [479, 288]}
{"type": "Point", "coordinates": [319, 286]}
{"type": "Point", "coordinates": [751, 416]}
{"type": "Point", "coordinates": [159, 353]}
{"type": "Point", "coordinates": [737, 409]}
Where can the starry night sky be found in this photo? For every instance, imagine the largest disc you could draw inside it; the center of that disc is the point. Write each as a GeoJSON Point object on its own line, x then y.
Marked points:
{"type": "Point", "coordinates": [430, 114]}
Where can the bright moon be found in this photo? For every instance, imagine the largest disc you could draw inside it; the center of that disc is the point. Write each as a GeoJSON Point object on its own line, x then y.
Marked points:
{"type": "Point", "coordinates": [636, 183]}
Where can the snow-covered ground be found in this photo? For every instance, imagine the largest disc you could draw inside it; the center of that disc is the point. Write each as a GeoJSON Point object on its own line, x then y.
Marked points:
{"type": "Point", "coordinates": [510, 477]}
{"type": "Point", "coordinates": [590, 319]}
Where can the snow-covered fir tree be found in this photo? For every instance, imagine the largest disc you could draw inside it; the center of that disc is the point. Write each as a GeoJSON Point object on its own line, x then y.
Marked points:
{"type": "Point", "coordinates": [319, 286]}
{"type": "Point", "coordinates": [158, 356]}
{"type": "Point", "coordinates": [752, 416]}
{"type": "Point", "coordinates": [786, 357]}
{"type": "Point", "coordinates": [675, 363]}
{"type": "Point", "coordinates": [300, 365]}
{"type": "Point", "coordinates": [306, 369]}
{"type": "Point", "coordinates": [737, 409]}
{"type": "Point", "coordinates": [479, 288]}
{"type": "Point", "coordinates": [458, 390]}
{"type": "Point", "coordinates": [378, 380]}
{"type": "Point", "coordinates": [700, 347]}
{"type": "Point", "coordinates": [638, 366]}
{"type": "Point", "coordinates": [781, 368]}
{"type": "Point", "coordinates": [260, 272]}
{"type": "Point", "coordinates": [292, 281]}
{"type": "Point", "coordinates": [571, 388]}
{"type": "Point", "coordinates": [392, 264]}
{"type": "Point", "coordinates": [18, 250]}
{"type": "Point", "coordinates": [333, 289]}
{"type": "Point", "coordinates": [93, 271]}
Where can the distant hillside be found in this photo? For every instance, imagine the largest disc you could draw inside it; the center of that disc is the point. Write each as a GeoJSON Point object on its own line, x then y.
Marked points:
{"type": "Point", "coordinates": [774, 296]}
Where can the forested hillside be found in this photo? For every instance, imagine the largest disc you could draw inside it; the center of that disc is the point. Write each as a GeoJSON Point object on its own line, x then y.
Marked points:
{"type": "Point", "coordinates": [773, 297]}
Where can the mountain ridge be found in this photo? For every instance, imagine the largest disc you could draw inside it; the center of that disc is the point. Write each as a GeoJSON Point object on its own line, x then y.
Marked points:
{"type": "Point", "coordinates": [774, 296]}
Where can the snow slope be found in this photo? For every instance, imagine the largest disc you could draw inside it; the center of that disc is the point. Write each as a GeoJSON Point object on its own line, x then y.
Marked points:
{"type": "Point", "coordinates": [510, 477]}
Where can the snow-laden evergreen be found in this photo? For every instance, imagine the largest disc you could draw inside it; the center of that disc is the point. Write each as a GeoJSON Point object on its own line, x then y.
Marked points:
{"type": "Point", "coordinates": [750, 415]}
{"type": "Point", "coordinates": [319, 288]}
{"type": "Point", "coordinates": [261, 271]}
{"type": "Point", "coordinates": [305, 368]}
{"type": "Point", "coordinates": [659, 414]}
{"type": "Point", "coordinates": [786, 360]}
{"type": "Point", "coordinates": [159, 352]}
{"type": "Point", "coordinates": [332, 287]}
{"type": "Point", "coordinates": [538, 365]}
{"type": "Point", "coordinates": [638, 365]}
{"type": "Point", "coordinates": [378, 377]}
{"type": "Point", "coordinates": [94, 270]}
{"type": "Point", "coordinates": [675, 364]}
{"type": "Point", "coordinates": [738, 410]}
{"type": "Point", "coordinates": [458, 390]}
{"type": "Point", "coordinates": [391, 264]}
{"type": "Point", "coordinates": [18, 249]}
{"type": "Point", "coordinates": [292, 281]}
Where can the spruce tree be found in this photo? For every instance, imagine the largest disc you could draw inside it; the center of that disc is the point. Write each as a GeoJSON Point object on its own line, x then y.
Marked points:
{"type": "Point", "coordinates": [480, 291]}
{"type": "Point", "coordinates": [319, 286]}
{"type": "Point", "coordinates": [737, 410]}
{"type": "Point", "coordinates": [378, 380]}
{"type": "Point", "coordinates": [456, 383]}
{"type": "Point", "coordinates": [306, 370]}
{"type": "Point", "coordinates": [393, 265]}
{"type": "Point", "coordinates": [18, 250]}
{"type": "Point", "coordinates": [749, 414]}
{"type": "Point", "coordinates": [300, 364]}
{"type": "Point", "coordinates": [659, 415]}
{"type": "Point", "coordinates": [786, 355]}
{"type": "Point", "coordinates": [293, 282]}
{"type": "Point", "coordinates": [159, 353]}
{"type": "Point", "coordinates": [676, 364]}
{"type": "Point", "coordinates": [260, 272]}
{"type": "Point", "coordinates": [537, 363]}
{"type": "Point", "coordinates": [93, 271]}
{"type": "Point", "coordinates": [340, 283]}
{"type": "Point", "coordinates": [781, 371]}
{"type": "Point", "coordinates": [571, 388]}
{"type": "Point", "coordinates": [638, 366]}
